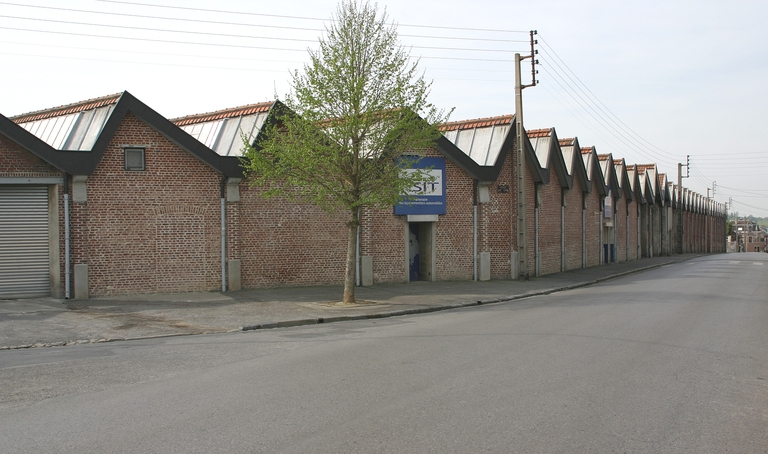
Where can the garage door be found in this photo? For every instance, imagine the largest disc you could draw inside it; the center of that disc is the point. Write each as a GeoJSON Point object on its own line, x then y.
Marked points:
{"type": "Point", "coordinates": [24, 258]}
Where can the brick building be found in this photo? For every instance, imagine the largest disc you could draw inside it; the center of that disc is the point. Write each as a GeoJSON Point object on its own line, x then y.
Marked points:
{"type": "Point", "coordinates": [106, 196]}
{"type": "Point", "coordinates": [749, 236]}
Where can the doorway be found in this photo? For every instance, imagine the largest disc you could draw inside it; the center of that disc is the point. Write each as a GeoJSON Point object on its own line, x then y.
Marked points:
{"type": "Point", "coordinates": [420, 250]}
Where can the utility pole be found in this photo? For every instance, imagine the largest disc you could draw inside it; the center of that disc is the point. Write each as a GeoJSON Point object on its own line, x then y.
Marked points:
{"type": "Point", "coordinates": [522, 206]}
{"type": "Point", "coordinates": [728, 208]}
{"type": "Point", "coordinates": [708, 218]}
{"type": "Point", "coordinates": [706, 224]}
{"type": "Point", "coordinates": [681, 205]}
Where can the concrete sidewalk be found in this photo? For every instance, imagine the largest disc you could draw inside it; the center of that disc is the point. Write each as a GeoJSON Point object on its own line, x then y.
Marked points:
{"type": "Point", "coordinates": [45, 322]}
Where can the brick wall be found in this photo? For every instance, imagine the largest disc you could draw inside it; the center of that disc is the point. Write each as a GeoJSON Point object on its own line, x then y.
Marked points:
{"type": "Point", "coordinates": [498, 222]}
{"type": "Point", "coordinates": [593, 226]}
{"type": "Point", "coordinates": [632, 227]}
{"type": "Point", "coordinates": [550, 216]}
{"type": "Point", "coordinates": [149, 231]}
{"type": "Point", "coordinates": [281, 242]}
{"type": "Point", "coordinates": [656, 229]}
{"type": "Point", "coordinates": [530, 210]}
{"type": "Point", "coordinates": [455, 229]}
{"type": "Point", "coordinates": [645, 229]}
{"type": "Point", "coordinates": [621, 229]}
{"type": "Point", "coordinates": [573, 226]}
{"type": "Point", "coordinates": [15, 161]}
{"type": "Point", "coordinates": [287, 243]}
{"type": "Point", "coordinates": [382, 237]}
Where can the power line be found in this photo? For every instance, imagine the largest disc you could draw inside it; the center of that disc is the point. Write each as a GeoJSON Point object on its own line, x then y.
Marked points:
{"type": "Point", "coordinates": [241, 13]}
{"type": "Point", "coordinates": [219, 57]}
{"type": "Point", "coordinates": [242, 24]}
{"type": "Point", "coordinates": [89, 35]}
{"type": "Point", "coordinates": [133, 62]}
{"type": "Point", "coordinates": [594, 115]}
{"type": "Point", "coordinates": [239, 46]}
{"type": "Point", "coordinates": [713, 166]}
{"type": "Point", "coordinates": [736, 202]}
{"type": "Point", "coordinates": [700, 177]}
{"type": "Point", "coordinates": [130, 27]}
{"type": "Point", "coordinates": [592, 95]}
{"type": "Point", "coordinates": [165, 54]}
{"type": "Point", "coordinates": [748, 191]}
{"type": "Point", "coordinates": [104, 60]}
{"type": "Point", "coordinates": [606, 123]}
{"type": "Point", "coordinates": [230, 35]}
{"type": "Point", "coordinates": [729, 155]}
{"type": "Point", "coordinates": [578, 117]}
{"type": "Point", "coordinates": [178, 19]}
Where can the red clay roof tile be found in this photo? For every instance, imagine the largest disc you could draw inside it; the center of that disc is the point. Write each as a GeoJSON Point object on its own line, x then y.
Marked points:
{"type": "Point", "coordinates": [567, 142]}
{"type": "Point", "coordinates": [532, 133]}
{"type": "Point", "coordinates": [224, 113]}
{"type": "Point", "coordinates": [476, 123]}
{"type": "Point", "coordinates": [641, 168]}
{"type": "Point", "coordinates": [88, 104]}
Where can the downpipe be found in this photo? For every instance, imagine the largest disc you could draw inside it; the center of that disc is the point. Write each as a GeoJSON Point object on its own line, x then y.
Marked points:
{"type": "Point", "coordinates": [358, 282]}
{"type": "Point", "coordinates": [474, 231]}
{"type": "Point", "coordinates": [536, 257]}
{"type": "Point", "coordinates": [562, 231]}
{"type": "Point", "coordinates": [67, 269]}
{"type": "Point", "coordinates": [224, 234]}
{"type": "Point", "coordinates": [600, 249]}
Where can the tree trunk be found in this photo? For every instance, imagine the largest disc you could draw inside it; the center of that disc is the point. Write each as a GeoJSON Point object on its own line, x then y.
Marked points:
{"type": "Point", "coordinates": [349, 278]}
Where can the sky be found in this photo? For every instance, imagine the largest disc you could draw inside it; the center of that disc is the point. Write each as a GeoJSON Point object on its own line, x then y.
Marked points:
{"type": "Point", "coordinates": [648, 81]}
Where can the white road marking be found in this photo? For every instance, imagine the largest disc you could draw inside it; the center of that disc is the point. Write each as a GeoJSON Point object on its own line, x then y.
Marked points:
{"type": "Point", "coordinates": [758, 263]}
{"type": "Point", "coordinates": [734, 262]}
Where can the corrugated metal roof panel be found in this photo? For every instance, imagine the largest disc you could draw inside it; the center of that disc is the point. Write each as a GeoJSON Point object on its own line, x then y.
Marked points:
{"type": "Point", "coordinates": [93, 130]}
{"type": "Point", "coordinates": [74, 131]}
{"type": "Point", "coordinates": [540, 145]}
{"type": "Point", "coordinates": [568, 156]}
{"type": "Point", "coordinates": [482, 144]}
{"type": "Point", "coordinates": [497, 140]}
{"type": "Point", "coordinates": [464, 140]}
{"type": "Point", "coordinates": [223, 135]}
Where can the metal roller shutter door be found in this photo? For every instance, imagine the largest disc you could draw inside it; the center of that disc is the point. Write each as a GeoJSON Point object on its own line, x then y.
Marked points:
{"type": "Point", "coordinates": [24, 255]}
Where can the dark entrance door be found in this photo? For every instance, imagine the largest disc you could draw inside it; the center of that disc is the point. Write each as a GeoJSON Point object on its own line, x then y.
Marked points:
{"type": "Point", "coordinates": [414, 268]}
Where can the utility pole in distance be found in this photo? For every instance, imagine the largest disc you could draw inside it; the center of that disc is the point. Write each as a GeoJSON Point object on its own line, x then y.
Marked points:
{"type": "Point", "coordinates": [681, 205]}
{"type": "Point", "coordinates": [522, 206]}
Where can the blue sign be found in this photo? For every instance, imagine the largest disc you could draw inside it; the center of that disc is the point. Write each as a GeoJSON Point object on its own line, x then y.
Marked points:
{"type": "Point", "coordinates": [425, 197]}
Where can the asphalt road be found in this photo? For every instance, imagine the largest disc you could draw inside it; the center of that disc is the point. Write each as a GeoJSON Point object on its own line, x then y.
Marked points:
{"type": "Point", "coordinates": [670, 360]}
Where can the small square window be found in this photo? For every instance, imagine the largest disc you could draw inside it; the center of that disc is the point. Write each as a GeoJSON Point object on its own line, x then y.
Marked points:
{"type": "Point", "coordinates": [134, 159]}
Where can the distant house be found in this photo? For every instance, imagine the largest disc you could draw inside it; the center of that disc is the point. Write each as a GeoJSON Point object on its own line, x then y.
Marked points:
{"type": "Point", "coordinates": [749, 236]}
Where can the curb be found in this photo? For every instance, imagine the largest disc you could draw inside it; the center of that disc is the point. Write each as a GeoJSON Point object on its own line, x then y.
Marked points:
{"type": "Point", "coordinates": [424, 310]}
{"type": "Point", "coordinates": [346, 318]}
